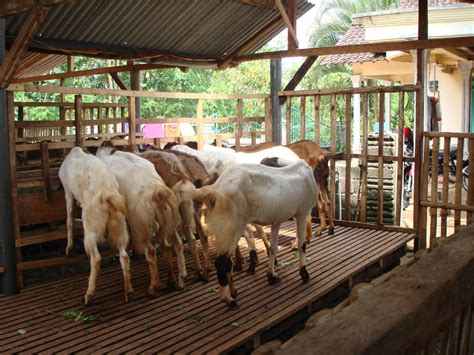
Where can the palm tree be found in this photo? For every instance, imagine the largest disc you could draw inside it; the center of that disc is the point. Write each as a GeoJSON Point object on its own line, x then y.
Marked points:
{"type": "Point", "coordinates": [333, 20]}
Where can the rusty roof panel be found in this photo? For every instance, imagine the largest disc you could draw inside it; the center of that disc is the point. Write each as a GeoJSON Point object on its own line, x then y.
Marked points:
{"type": "Point", "coordinates": [190, 28]}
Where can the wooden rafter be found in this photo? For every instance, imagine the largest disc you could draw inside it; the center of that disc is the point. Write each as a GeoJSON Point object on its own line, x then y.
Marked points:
{"type": "Point", "coordinates": [251, 43]}
{"type": "Point", "coordinates": [287, 20]}
{"type": "Point", "coordinates": [265, 4]}
{"type": "Point", "coordinates": [107, 70]}
{"type": "Point", "coordinates": [20, 45]}
{"type": "Point", "coordinates": [300, 73]}
{"type": "Point", "coordinates": [118, 80]}
{"type": "Point", "coordinates": [11, 7]}
{"type": "Point", "coordinates": [457, 53]}
{"type": "Point", "coordinates": [363, 48]}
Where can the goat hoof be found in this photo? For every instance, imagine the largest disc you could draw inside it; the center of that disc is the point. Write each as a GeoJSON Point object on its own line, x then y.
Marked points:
{"type": "Point", "coordinates": [238, 267]}
{"type": "Point", "coordinates": [152, 291]}
{"type": "Point", "coordinates": [234, 294]}
{"type": "Point", "coordinates": [68, 253]}
{"type": "Point", "coordinates": [87, 300]}
{"type": "Point", "coordinates": [272, 279]}
{"type": "Point", "coordinates": [331, 231]}
{"type": "Point", "coordinates": [276, 262]}
{"type": "Point", "coordinates": [200, 276]}
{"type": "Point", "coordinates": [130, 296]}
{"type": "Point", "coordinates": [233, 305]}
{"type": "Point", "coordinates": [304, 274]}
{"type": "Point", "coordinates": [251, 270]}
{"type": "Point", "coordinates": [171, 285]}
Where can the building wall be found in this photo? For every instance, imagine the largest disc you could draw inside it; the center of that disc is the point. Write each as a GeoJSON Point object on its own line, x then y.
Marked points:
{"type": "Point", "coordinates": [450, 93]}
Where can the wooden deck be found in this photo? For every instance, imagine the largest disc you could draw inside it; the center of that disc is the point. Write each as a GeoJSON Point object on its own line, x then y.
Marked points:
{"type": "Point", "coordinates": [192, 320]}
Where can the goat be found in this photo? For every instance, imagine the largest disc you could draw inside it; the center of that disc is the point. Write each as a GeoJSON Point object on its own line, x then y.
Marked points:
{"type": "Point", "coordinates": [251, 193]}
{"type": "Point", "coordinates": [152, 209]}
{"type": "Point", "coordinates": [173, 173]}
{"type": "Point", "coordinates": [86, 180]}
{"type": "Point", "coordinates": [315, 156]}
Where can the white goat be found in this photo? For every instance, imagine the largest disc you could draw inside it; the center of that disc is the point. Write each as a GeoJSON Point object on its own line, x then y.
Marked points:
{"type": "Point", "coordinates": [86, 180]}
{"type": "Point", "coordinates": [251, 193]}
{"type": "Point", "coordinates": [152, 209]}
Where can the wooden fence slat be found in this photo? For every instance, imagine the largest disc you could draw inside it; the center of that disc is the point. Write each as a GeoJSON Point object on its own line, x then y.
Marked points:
{"type": "Point", "coordinates": [200, 128]}
{"type": "Point", "coordinates": [400, 166]}
{"type": "Point", "coordinates": [365, 135]}
{"type": "Point", "coordinates": [132, 121]}
{"type": "Point", "coordinates": [434, 191]}
{"type": "Point", "coordinates": [45, 170]}
{"type": "Point", "coordinates": [333, 151]}
{"type": "Point", "coordinates": [424, 193]}
{"type": "Point", "coordinates": [268, 120]}
{"type": "Point", "coordinates": [348, 178]}
{"type": "Point", "coordinates": [239, 128]}
{"type": "Point", "coordinates": [444, 211]}
{"type": "Point", "coordinates": [317, 125]}
{"type": "Point", "coordinates": [303, 118]}
{"type": "Point", "coordinates": [78, 119]}
{"type": "Point", "coordinates": [458, 186]}
{"type": "Point", "coordinates": [470, 182]}
{"type": "Point", "coordinates": [288, 121]}
{"type": "Point", "coordinates": [380, 173]}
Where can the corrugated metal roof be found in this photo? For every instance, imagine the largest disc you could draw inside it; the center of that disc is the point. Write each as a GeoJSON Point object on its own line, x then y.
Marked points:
{"type": "Point", "coordinates": [354, 35]}
{"type": "Point", "coordinates": [199, 29]}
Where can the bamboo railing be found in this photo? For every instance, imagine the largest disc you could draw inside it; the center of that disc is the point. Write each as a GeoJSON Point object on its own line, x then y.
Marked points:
{"type": "Point", "coordinates": [40, 146]}
{"type": "Point", "coordinates": [443, 191]}
{"type": "Point", "coordinates": [372, 101]}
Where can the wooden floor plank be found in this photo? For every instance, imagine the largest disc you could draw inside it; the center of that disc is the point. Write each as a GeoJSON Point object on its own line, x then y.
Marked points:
{"type": "Point", "coordinates": [193, 320]}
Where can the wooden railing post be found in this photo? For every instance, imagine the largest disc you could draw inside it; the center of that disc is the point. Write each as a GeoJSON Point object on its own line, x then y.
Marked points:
{"type": "Point", "coordinates": [238, 129]}
{"type": "Point", "coordinates": [288, 121]}
{"type": "Point", "coordinates": [268, 120]}
{"type": "Point", "coordinates": [347, 187]}
{"type": "Point", "coordinates": [400, 152]}
{"type": "Point", "coordinates": [380, 172]}
{"type": "Point", "coordinates": [200, 128]}
{"type": "Point", "coordinates": [332, 174]}
{"type": "Point", "coordinates": [132, 129]}
{"type": "Point", "coordinates": [365, 135]}
{"type": "Point", "coordinates": [78, 119]}
{"type": "Point", "coordinates": [303, 118]}
{"type": "Point", "coordinates": [317, 125]}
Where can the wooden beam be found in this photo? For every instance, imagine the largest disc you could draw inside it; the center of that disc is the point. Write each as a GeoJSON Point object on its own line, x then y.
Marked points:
{"type": "Point", "coordinates": [264, 4]}
{"type": "Point", "coordinates": [300, 73]}
{"type": "Point", "coordinates": [70, 63]}
{"type": "Point", "coordinates": [20, 45]}
{"type": "Point", "coordinates": [11, 7]}
{"type": "Point", "coordinates": [460, 55]}
{"type": "Point", "coordinates": [292, 10]}
{"type": "Point", "coordinates": [118, 81]}
{"type": "Point", "coordinates": [362, 48]}
{"type": "Point", "coordinates": [250, 44]}
{"type": "Point", "coordinates": [108, 70]}
{"type": "Point", "coordinates": [289, 21]}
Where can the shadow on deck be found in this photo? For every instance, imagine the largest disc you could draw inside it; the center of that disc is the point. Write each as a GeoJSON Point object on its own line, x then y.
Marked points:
{"type": "Point", "coordinates": [194, 320]}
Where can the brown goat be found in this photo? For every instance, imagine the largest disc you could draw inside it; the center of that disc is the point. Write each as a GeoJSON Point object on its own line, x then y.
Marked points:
{"type": "Point", "coordinates": [173, 171]}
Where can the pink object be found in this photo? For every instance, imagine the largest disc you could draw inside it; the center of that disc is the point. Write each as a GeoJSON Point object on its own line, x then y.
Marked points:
{"type": "Point", "coordinates": [153, 130]}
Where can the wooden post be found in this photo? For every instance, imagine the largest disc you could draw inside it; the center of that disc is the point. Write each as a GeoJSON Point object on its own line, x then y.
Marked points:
{"type": "Point", "coordinates": [238, 130]}
{"type": "Point", "coordinates": [21, 116]}
{"type": "Point", "coordinates": [292, 15]}
{"type": "Point", "coordinates": [288, 121]}
{"type": "Point", "coordinates": [365, 134]}
{"type": "Point", "coordinates": [268, 120]}
{"type": "Point", "coordinates": [332, 174]}
{"type": "Point", "coordinates": [444, 211]}
{"type": "Point", "coordinates": [135, 85]}
{"type": "Point", "coordinates": [458, 187]}
{"type": "Point", "coordinates": [400, 167]}
{"type": "Point", "coordinates": [132, 133]}
{"type": "Point", "coordinates": [45, 170]}
{"type": "Point", "coordinates": [78, 119]}
{"type": "Point", "coordinates": [419, 120]}
{"type": "Point", "coordinates": [317, 125]}
{"type": "Point", "coordinates": [470, 181]}
{"type": "Point", "coordinates": [275, 86]}
{"type": "Point", "coordinates": [7, 183]}
{"type": "Point", "coordinates": [303, 118]}
{"type": "Point", "coordinates": [380, 173]}
{"type": "Point", "coordinates": [434, 191]}
{"type": "Point", "coordinates": [253, 138]}
{"type": "Point", "coordinates": [347, 187]}
{"type": "Point", "coordinates": [200, 129]}
{"type": "Point", "coordinates": [423, 195]}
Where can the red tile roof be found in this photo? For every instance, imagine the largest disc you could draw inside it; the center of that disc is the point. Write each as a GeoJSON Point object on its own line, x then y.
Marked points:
{"type": "Point", "coordinates": [355, 35]}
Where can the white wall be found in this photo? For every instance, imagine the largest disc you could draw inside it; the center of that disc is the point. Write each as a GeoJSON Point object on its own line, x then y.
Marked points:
{"type": "Point", "coordinates": [450, 93]}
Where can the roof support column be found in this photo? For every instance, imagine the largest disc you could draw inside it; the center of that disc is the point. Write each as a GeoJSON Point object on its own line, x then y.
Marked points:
{"type": "Point", "coordinates": [275, 86]}
{"type": "Point", "coordinates": [356, 79]}
{"type": "Point", "coordinates": [135, 85]}
{"type": "Point", "coordinates": [388, 105]}
{"type": "Point", "coordinates": [465, 69]}
{"type": "Point", "coordinates": [7, 236]}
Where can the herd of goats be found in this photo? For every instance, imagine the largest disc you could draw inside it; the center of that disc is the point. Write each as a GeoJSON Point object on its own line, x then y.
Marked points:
{"type": "Point", "coordinates": [159, 193]}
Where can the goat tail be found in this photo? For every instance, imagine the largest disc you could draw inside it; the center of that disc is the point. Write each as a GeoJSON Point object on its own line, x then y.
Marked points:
{"type": "Point", "coordinates": [117, 235]}
{"type": "Point", "coordinates": [165, 208]}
